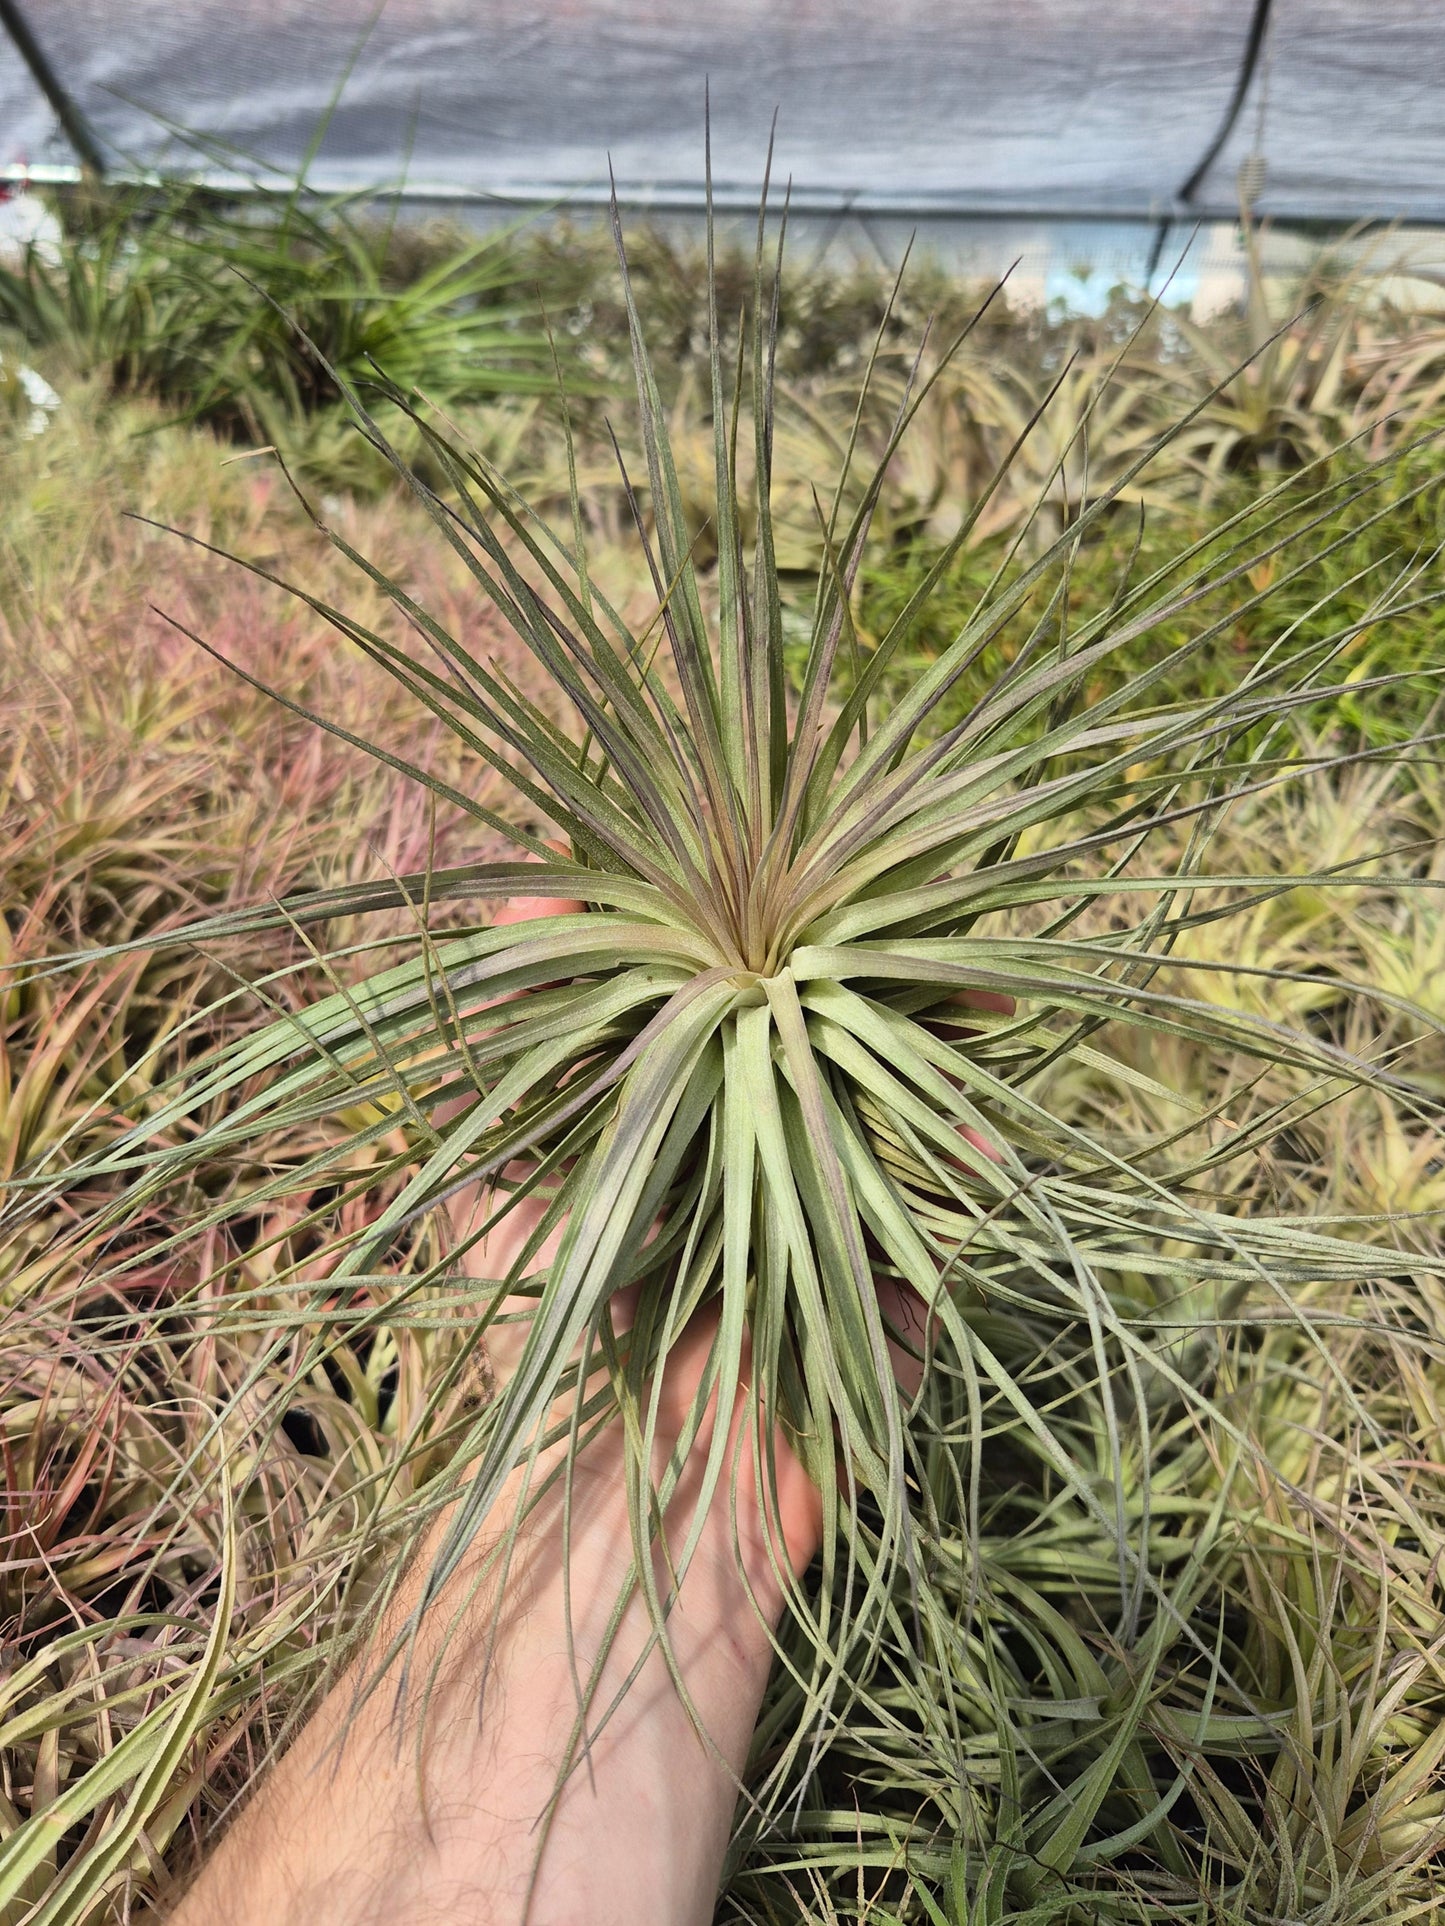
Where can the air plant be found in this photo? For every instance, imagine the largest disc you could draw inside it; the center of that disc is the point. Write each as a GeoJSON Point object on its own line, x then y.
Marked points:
{"type": "Point", "coordinates": [793, 1059]}
{"type": "Point", "coordinates": [254, 324]}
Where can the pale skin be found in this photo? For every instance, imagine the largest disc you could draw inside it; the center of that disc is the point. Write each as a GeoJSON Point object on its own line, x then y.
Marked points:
{"type": "Point", "coordinates": [360, 1823]}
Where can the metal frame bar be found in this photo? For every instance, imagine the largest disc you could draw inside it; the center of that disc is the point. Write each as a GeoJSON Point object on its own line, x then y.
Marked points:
{"type": "Point", "coordinates": [77, 129]}
{"type": "Point", "coordinates": [551, 197]}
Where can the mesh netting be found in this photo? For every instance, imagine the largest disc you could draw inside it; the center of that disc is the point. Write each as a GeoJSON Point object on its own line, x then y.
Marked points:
{"type": "Point", "coordinates": [1060, 106]}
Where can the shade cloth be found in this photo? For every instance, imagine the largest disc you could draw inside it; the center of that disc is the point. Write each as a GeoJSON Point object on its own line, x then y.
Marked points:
{"type": "Point", "coordinates": [1054, 106]}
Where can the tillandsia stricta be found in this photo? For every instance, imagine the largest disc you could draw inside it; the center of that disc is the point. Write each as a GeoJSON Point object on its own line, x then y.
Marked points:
{"type": "Point", "coordinates": [839, 940]}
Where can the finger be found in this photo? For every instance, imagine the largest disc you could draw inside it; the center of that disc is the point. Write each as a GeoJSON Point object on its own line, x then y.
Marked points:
{"type": "Point", "coordinates": [997, 1002]}
{"type": "Point", "coordinates": [910, 1327]}
{"type": "Point", "coordinates": [496, 1251]}
{"type": "Point", "coordinates": [992, 1003]}
{"type": "Point", "coordinates": [526, 909]}
{"type": "Point", "coordinates": [986, 1002]}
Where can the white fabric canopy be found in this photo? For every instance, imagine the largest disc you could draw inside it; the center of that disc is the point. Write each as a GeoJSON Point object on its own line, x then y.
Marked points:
{"type": "Point", "coordinates": [1067, 107]}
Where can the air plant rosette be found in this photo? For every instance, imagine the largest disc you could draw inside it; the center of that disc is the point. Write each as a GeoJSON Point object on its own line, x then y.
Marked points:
{"type": "Point", "coordinates": [793, 1060]}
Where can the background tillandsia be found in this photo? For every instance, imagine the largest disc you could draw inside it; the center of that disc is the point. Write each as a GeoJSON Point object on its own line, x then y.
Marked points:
{"type": "Point", "coordinates": [246, 319]}
{"type": "Point", "coordinates": [1156, 1488]}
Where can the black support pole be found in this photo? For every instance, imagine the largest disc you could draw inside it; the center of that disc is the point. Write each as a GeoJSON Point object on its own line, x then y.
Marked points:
{"type": "Point", "coordinates": [48, 81]}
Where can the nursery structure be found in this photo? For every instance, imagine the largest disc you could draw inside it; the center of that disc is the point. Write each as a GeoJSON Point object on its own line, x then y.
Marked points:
{"type": "Point", "coordinates": [1063, 108]}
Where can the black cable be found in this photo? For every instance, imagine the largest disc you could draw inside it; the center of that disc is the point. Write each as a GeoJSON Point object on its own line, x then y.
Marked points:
{"type": "Point", "coordinates": [48, 81]}
{"type": "Point", "coordinates": [1253, 48]}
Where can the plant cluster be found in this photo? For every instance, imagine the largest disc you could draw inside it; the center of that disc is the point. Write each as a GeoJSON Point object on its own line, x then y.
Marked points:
{"type": "Point", "coordinates": [247, 315]}
{"type": "Point", "coordinates": [1133, 1613]}
{"type": "Point", "coordinates": [1309, 363]}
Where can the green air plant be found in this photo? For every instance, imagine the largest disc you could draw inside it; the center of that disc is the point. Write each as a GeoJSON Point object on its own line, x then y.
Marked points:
{"type": "Point", "coordinates": [805, 1038]}
{"type": "Point", "coordinates": [255, 321]}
